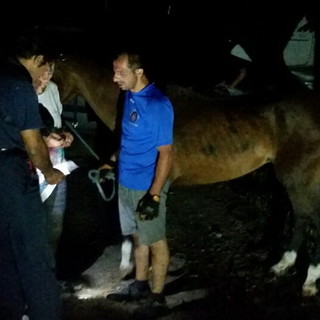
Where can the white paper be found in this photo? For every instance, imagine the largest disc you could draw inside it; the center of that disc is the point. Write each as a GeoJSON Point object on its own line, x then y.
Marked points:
{"type": "Point", "coordinates": [66, 167]}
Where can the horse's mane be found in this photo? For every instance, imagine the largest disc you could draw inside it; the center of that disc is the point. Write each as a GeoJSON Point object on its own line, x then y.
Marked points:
{"type": "Point", "coordinates": [91, 80]}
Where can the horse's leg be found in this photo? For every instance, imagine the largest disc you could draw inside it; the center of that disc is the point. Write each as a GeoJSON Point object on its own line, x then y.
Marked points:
{"type": "Point", "coordinates": [126, 266]}
{"type": "Point", "coordinates": [306, 205]}
{"type": "Point", "coordinates": [279, 220]}
{"type": "Point", "coordinates": [301, 222]}
{"type": "Point", "coordinates": [309, 287]}
{"type": "Point", "coordinates": [311, 204]}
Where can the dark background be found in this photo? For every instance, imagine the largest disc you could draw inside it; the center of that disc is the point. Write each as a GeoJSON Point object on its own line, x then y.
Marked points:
{"type": "Point", "coordinates": [191, 41]}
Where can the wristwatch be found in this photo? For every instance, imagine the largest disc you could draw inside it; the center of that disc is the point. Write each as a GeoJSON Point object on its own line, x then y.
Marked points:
{"type": "Point", "coordinates": [155, 197]}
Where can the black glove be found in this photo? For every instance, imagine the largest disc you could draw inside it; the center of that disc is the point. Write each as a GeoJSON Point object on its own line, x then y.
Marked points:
{"type": "Point", "coordinates": [148, 207]}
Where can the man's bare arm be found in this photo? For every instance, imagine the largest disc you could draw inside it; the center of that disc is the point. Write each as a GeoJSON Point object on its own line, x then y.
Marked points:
{"type": "Point", "coordinates": [39, 155]}
{"type": "Point", "coordinates": [163, 168]}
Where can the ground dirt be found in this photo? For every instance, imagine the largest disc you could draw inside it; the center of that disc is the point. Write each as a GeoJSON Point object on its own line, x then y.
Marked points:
{"type": "Point", "coordinates": [223, 240]}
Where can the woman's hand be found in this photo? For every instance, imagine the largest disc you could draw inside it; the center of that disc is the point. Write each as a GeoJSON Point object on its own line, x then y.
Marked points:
{"type": "Point", "coordinates": [58, 140]}
{"type": "Point", "coordinates": [54, 140]}
{"type": "Point", "coordinates": [68, 139]}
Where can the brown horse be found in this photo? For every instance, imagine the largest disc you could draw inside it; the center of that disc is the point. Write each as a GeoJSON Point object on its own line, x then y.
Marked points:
{"type": "Point", "coordinates": [215, 141]}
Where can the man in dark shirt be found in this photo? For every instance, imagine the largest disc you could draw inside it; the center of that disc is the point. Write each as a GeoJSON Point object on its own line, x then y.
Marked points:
{"type": "Point", "coordinates": [27, 278]}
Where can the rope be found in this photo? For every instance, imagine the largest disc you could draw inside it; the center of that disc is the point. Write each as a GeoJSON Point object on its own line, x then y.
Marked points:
{"type": "Point", "coordinates": [95, 176]}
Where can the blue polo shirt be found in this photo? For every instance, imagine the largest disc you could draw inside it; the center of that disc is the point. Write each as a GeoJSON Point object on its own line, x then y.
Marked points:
{"type": "Point", "coordinates": [19, 108]}
{"type": "Point", "coordinates": [147, 123]}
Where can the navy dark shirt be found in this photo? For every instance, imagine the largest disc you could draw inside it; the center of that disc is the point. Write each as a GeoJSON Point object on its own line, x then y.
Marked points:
{"type": "Point", "coordinates": [19, 107]}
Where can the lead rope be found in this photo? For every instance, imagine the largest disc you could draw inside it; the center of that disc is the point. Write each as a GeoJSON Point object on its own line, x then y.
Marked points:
{"type": "Point", "coordinates": [94, 176]}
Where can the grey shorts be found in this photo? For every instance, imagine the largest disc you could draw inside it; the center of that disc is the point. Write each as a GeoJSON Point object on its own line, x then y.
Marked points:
{"type": "Point", "coordinates": [149, 231]}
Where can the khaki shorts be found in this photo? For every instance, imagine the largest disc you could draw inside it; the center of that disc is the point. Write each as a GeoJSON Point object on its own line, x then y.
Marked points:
{"type": "Point", "coordinates": [149, 231]}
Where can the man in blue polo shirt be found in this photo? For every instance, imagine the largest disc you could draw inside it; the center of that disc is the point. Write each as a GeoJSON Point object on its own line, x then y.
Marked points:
{"type": "Point", "coordinates": [144, 163]}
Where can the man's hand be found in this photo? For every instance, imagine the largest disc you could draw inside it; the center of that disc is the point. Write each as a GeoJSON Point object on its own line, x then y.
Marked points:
{"type": "Point", "coordinates": [54, 176]}
{"type": "Point", "coordinates": [105, 170]}
{"type": "Point", "coordinates": [148, 207]}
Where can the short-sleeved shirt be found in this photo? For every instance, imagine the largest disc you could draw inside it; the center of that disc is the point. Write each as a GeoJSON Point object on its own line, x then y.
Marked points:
{"type": "Point", "coordinates": [147, 123]}
{"type": "Point", "coordinates": [19, 108]}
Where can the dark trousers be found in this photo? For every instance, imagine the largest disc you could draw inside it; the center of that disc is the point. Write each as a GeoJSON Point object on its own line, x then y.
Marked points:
{"type": "Point", "coordinates": [27, 277]}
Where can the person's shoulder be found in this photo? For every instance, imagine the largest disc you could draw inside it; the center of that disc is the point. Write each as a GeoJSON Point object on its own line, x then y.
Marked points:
{"type": "Point", "coordinates": [158, 94]}
{"type": "Point", "coordinates": [52, 86]}
{"type": "Point", "coordinates": [51, 90]}
{"type": "Point", "coordinates": [161, 102]}
{"type": "Point", "coordinates": [14, 71]}
{"type": "Point", "coordinates": [162, 97]}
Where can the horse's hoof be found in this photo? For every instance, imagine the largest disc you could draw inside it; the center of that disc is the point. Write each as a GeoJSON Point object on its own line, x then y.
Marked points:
{"type": "Point", "coordinates": [278, 270]}
{"type": "Point", "coordinates": [287, 261]}
{"type": "Point", "coordinates": [309, 290]}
